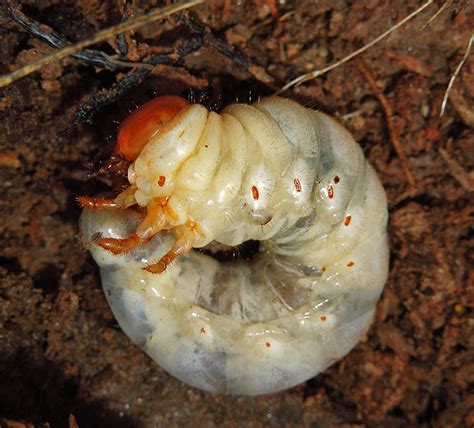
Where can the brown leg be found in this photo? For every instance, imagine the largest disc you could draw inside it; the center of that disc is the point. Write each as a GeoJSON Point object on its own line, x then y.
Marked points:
{"type": "Point", "coordinates": [153, 223]}
{"type": "Point", "coordinates": [116, 165]}
{"type": "Point", "coordinates": [122, 200]}
{"type": "Point", "coordinates": [186, 237]}
{"type": "Point", "coordinates": [120, 246]}
{"type": "Point", "coordinates": [97, 203]}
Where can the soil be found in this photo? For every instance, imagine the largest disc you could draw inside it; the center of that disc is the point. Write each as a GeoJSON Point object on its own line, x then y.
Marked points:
{"type": "Point", "coordinates": [61, 350]}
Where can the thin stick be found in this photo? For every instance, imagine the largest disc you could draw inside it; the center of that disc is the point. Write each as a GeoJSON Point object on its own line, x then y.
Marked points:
{"type": "Point", "coordinates": [438, 12]}
{"type": "Point", "coordinates": [389, 117]}
{"type": "Point", "coordinates": [57, 41]}
{"type": "Point", "coordinates": [455, 74]}
{"type": "Point", "coordinates": [100, 36]}
{"type": "Point", "coordinates": [312, 75]}
{"type": "Point", "coordinates": [457, 171]}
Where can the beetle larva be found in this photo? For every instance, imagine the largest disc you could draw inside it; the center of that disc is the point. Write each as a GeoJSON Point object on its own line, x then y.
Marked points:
{"type": "Point", "coordinates": [287, 176]}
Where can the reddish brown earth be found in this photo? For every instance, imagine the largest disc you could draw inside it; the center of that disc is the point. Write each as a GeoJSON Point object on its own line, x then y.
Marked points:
{"type": "Point", "coordinates": [62, 352]}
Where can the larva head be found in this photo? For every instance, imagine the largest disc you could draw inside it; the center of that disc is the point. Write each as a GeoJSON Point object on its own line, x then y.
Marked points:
{"type": "Point", "coordinates": [143, 124]}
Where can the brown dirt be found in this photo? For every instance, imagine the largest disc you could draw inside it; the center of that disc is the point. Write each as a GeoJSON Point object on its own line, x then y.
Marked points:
{"type": "Point", "coordinates": [61, 350]}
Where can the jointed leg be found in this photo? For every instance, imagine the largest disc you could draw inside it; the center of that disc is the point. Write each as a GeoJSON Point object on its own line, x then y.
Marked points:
{"type": "Point", "coordinates": [185, 239]}
{"type": "Point", "coordinates": [120, 246]}
{"type": "Point", "coordinates": [123, 200]}
{"type": "Point", "coordinates": [98, 203]}
{"type": "Point", "coordinates": [154, 221]}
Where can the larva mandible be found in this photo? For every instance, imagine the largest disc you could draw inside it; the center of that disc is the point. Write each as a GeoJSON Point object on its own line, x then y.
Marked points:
{"type": "Point", "coordinates": [276, 172]}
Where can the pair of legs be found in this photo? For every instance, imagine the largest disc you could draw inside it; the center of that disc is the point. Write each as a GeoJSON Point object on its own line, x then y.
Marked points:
{"type": "Point", "coordinates": [157, 216]}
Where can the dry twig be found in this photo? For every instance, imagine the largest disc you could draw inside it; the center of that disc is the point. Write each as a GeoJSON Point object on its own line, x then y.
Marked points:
{"type": "Point", "coordinates": [455, 74]}
{"type": "Point", "coordinates": [436, 14]}
{"type": "Point", "coordinates": [87, 110]}
{"type": "Point", "coordinates": [457, 171]}
{"type": "Point", "coordinates": [58, 41]}
{"type": "Point", "coordinates": [228, 50]}
{"type": "Point", "coordinates": [131, 24]}
{"type": "Point", "coordinates": [313, 74]}
{"type": "Point", "coordinates": [394, 138]}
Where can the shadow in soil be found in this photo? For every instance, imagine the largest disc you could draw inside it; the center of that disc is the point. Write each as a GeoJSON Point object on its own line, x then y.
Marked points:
{"type": "Point", "coordinates": [40, 392]}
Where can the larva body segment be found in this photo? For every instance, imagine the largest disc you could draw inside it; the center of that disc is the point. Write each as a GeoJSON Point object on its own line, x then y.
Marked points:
{"type": "Point", "coordinates": [276, 172]}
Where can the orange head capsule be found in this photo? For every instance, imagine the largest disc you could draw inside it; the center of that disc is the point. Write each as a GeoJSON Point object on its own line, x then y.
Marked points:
{"type": "Point", "coordinates": [143, 124]}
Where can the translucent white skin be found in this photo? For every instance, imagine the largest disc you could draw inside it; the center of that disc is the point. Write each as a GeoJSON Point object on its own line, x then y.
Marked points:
{"type": "Point", "coordinates": [298, 305]}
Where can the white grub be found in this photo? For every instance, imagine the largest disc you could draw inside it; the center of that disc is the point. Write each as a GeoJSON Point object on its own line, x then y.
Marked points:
{"type": "Point", "coordinates": [303, 301]}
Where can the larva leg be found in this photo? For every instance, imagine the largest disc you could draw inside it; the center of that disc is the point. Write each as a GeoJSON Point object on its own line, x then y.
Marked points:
{"type": "Point", "coordinates": [154, 221]}
{"type": "Point", "coordinates": [127, 197]}
{"type": "Point", "coordinates": [158, 213]}
{"type": "Point", "coordinates": [185, 239]}
{"type": "Point", "coordinates": [123, 200]}
{"type": "Point", "coordinates": [120, 246]}
{"type": "Point", "coordinates": [98, 203]}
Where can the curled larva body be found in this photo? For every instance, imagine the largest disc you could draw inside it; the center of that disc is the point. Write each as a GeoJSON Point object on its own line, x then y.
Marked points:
{"type": "Point", "coordinates": [276, 172]}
